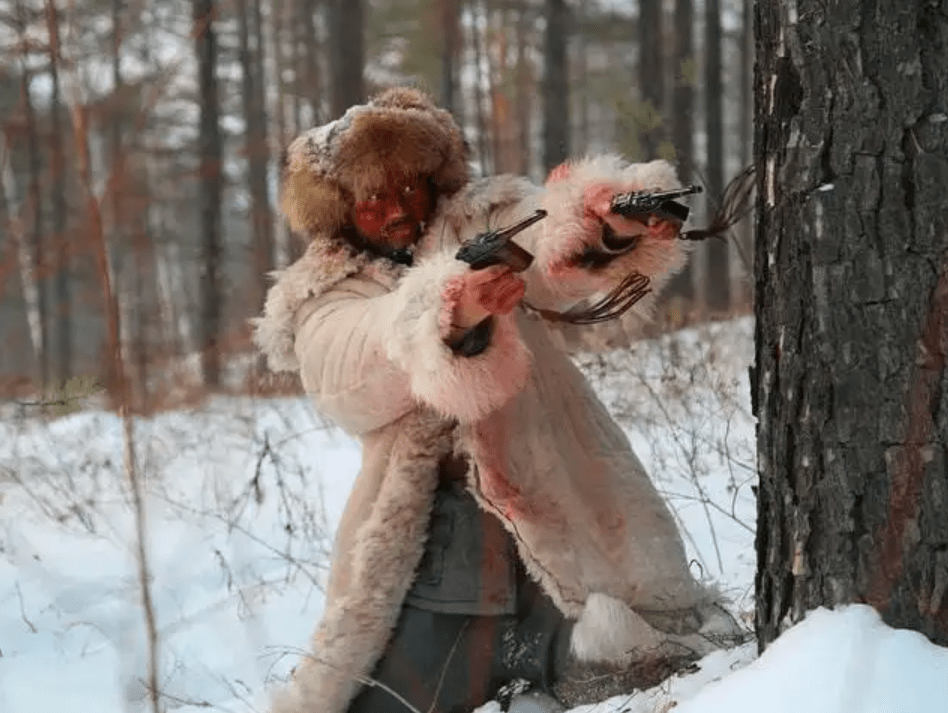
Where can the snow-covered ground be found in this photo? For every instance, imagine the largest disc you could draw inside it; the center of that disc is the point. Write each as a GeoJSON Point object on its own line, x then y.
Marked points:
{"type": "Point", "coordinates": [242, 497]}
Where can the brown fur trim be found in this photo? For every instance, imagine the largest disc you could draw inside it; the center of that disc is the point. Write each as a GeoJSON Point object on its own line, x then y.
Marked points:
{"type": "Point", "coordinates": [399, 132]}
{"type": "Point", "coordinates": [308, 203]}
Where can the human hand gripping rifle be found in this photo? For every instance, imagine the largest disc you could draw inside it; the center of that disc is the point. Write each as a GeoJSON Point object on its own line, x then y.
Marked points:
{"type": "Point", "coordinates": [495, 247]}
{"type": "Point", "coordinates": [642, 206]}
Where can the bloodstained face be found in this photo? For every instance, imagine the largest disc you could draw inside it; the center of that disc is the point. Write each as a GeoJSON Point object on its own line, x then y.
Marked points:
{"type": "Point", "coordinates": [392, 217]}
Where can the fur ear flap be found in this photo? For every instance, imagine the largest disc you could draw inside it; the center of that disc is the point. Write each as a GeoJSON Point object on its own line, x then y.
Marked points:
{"type": "Point", "coordinates": [312, 204]}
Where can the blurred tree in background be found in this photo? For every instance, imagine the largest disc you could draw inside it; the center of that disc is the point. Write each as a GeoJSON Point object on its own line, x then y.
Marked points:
{"type": "Point", "coordinates": [177, 112]}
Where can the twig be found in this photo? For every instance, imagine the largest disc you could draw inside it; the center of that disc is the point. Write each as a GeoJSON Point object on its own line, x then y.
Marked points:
{"type": "Point", "coordinates": [244, 531]}
{"type": "Point", "coordinates": [100, 250]}
{"type": "Point", "coordinates": [730, 515]}
{"type": "Point", "coordinates": [144, 577]}
{"type": "Point", "coordinates": [364, 680]}
{"type": "Point", "coordinates": [691, 472]}
{"type": "Point", "coordinates": [444, 669]}
{"type": "Point", "coordinates": [29, 623]}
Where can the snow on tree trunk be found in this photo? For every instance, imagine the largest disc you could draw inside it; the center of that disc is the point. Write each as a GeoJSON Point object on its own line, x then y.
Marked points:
{"type": "Point", "coordinates": [850, 386]}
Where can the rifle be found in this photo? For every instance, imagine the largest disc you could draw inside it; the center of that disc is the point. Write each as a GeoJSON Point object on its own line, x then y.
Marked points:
{"type": "Point", "coordinates": [640, 205]}
{"type": "Point", "coordinates": [494, 247]}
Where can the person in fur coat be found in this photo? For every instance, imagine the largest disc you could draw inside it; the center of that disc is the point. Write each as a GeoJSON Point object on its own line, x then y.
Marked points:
{"type": "Point", "coordinates": [501, 528]}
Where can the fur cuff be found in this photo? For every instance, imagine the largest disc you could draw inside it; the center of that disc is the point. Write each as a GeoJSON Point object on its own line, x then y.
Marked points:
{"type": "Point", "coordinates": [465, 388]}
{"type": "Point", "coordinates": [609, 631]}
{"type": "Point", "coordinates": [570, 229]}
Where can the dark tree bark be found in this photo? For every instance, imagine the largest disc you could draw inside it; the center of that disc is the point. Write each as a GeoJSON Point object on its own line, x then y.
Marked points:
{"type": "Point", "coordinates": [309, 74]}
{"type": "Point", "coordinates": [555, 85]}
{"type": "Point", "coordinates": [745, 229]}
{"type": "Point", "coordinates": [63, 312]}
{"type": "Point", "coordinates": [130, 244]}
{"type": "Point", "coordinates": [128, 282]}
{"type": "Point", "coordinates": [651, 78]}
{"type": "Point", "coordinates": [288, 40]}
{"type": "Point", "coordinates": [524, 81]}
{"type": "Point", "coordinates": [580, 136]}
{"type": "Point", "coordinates": [683, 108]}
{"type": "Point", "coordinates": [33, 238]}
{"type": "Point", "coordinates": [16, 278]}
{"type": "Point", "coordinates": [346, 53]}
{"type": "Point", "coordinates": [479, 59]}
{"type": "Point", "coordinates": [250, 34]}
{"type": "Point", "coordinates": [683, 92]}
{"type": "Point", "coordinates": [718, 296]}
{"type": "Point", "coordinates": [497, 101]}
{"type": "Point", "coordinates": [40, 257]}
{"type": "Point", "coordinates": [450, 32]}
{"type": "Point", "coordinates": [296, 17]}
{"type": "Point", "coordinates": [850, 387]}
{"type": "Point", "coordinates": [209, 192]}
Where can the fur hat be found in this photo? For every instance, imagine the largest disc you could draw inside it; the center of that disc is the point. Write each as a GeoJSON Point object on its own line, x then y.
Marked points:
{"type": "Point", "coordinates": [327, 169]}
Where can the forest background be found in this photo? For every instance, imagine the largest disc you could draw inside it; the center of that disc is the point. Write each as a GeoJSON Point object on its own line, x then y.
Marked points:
{"type": "Point", "coordinates": [139, 210]}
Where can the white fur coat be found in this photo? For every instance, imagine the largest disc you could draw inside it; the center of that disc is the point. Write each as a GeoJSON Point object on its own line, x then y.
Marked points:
{"type": "Point", "coordinates": [548, 460]}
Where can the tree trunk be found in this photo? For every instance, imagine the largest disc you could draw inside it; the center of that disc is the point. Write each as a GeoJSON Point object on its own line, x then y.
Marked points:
{"type": "Point", "coordinates": [524, 80]}
{"type": "Point", "coordinates": [482, 138]}
{"type": "Point", "coordinates": [581, 134]}
{"type": "Point", "coordinates": [63, 312]}
{"type": "Point", "coordinates": [209, 193]}
{"type": "Point", "coordinates": [169, 297]}
{"type": "Point", "coordinates": [123, 265]}
{"type": "Point", "coordinates": [555, 85]}
{"type": "Point", "coordinates": [15, 237]}
{"type": "Point", "coordinates": [286, 18]}
{"type": "Point", "coordinates": [450, 21]}
{"type": "Point", "coordinates": [850, 387]}
{"type": "Point", "coordinates": [121, 397]}
{"type": "Point", "coordinates": [495, 46]}
{"type": "Point", "coordinates": [259, 158]}
{"type": "Point", "coordinates": [745, 229]}
{"type": "Point", "coordinates": [39, 258]}
{"type": "Point", "coordinates": [718, 282]}
{"type": "Point", "coordinates": [288, 37]}
{"type": "Point", "coordinates": [346, 53]}
{"type": "Point", "coordinates": [651, 78]}
{"type": "Point", "coordinates": [312, 87]}
{"type": "Point", "coordinates": [683, 92]}
{"type": "Point", "coordinates": [293, 13]}
{"type": "Point", "coordinates": [250, 38]}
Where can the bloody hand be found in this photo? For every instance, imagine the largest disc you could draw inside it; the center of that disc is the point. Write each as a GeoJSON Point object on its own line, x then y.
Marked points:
{"type": "Point", "coordinates": [493, 290]}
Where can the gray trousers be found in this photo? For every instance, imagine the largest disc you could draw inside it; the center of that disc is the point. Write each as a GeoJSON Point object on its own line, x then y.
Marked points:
{"type": "Point", "coordinates": [472, 622]}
